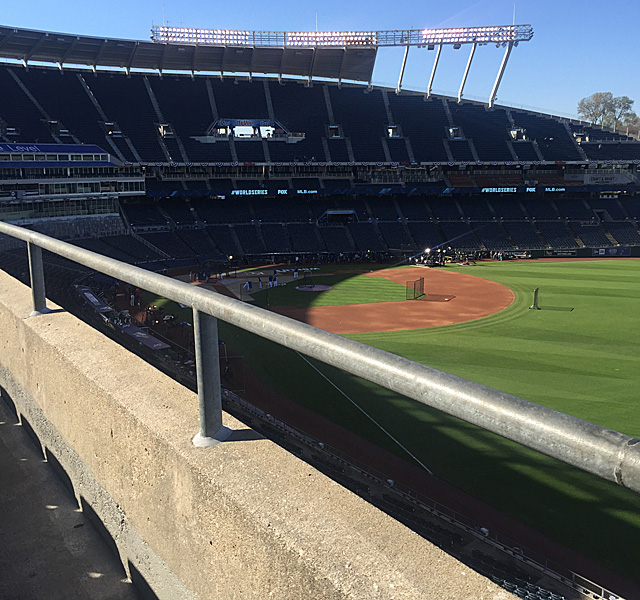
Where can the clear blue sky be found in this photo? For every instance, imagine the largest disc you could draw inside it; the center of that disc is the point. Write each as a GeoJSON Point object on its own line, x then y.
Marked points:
{"type": "Point", "coordinates": [579, 47]}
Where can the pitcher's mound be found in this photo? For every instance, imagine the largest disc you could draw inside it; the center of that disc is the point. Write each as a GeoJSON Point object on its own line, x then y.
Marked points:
{"type": "Point", "coordinates": [313, 288]}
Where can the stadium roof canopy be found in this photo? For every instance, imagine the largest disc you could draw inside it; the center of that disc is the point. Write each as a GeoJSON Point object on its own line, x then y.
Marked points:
{"type": "Point", "coordinates": [348, 63]}
{"type": "Point", "coordinates": [346, 55]}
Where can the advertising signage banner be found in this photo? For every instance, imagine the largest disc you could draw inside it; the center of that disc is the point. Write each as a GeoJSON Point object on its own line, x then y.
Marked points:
{"type": "Point", "coordinates": [244, 123]}
{"type": "Point", "coordinates": [561, 253]}
{"type": "Point", "coordinates": [51, 148]}
{"type": "Point", "coordinates": [609, 252]}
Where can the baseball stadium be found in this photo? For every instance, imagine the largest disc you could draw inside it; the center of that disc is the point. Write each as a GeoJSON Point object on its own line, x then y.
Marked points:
{"type": "Point", "coordinates": [492, 243]}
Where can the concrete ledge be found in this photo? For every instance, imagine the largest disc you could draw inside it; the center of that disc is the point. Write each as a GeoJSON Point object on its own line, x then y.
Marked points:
{"type": "Point", "coordinates": [244, 519]}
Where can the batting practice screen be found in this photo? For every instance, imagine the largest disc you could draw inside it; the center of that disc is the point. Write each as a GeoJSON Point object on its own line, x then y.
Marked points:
{"type": "Point", "coordinates": [415, 289]}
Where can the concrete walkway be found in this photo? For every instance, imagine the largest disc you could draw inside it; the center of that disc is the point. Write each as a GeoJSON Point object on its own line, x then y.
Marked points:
{"type": "Point", "coordinates": [48, 549]}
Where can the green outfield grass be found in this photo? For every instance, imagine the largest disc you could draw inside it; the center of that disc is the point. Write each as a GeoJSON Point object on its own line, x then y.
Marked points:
{"type": "Point", "coordinates": [578, 355]}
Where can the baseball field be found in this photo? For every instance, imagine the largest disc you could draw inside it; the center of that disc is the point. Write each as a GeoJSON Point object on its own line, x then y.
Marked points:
{"type": "Point", "coordinates": [579, 354]}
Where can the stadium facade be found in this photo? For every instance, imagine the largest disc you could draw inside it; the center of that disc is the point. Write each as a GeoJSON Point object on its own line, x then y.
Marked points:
{"type": "Point", "coordinates": [256, 166]}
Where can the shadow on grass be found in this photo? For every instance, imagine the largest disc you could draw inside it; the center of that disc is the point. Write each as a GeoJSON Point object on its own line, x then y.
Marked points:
{"type": "Point", "coordinates": [594, 517]}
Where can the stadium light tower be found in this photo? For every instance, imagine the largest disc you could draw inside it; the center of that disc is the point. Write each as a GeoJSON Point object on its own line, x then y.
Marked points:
{"type": "Point", "coordinates": [506, 36]}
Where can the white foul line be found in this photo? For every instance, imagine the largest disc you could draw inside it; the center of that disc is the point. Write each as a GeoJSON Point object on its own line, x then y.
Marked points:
{"type": "Point", "coordinates": [365, 413]}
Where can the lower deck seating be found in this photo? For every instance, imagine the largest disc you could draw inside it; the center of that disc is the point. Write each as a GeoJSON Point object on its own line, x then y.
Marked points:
{"type": "Point", "coordinates": [523, 235]}
{"type": "Point", "coordinates": [276, 238]}
{"type": "Point", "coordinates": [305, 238]}
{"type": "Point", "coordinates": [592, 235]}
{"type": "Point", "coordinates": [366, 238]}
{"type": "Point", "coordinates": [170, 243]}
{"type": "Point", "coordinates": [492, 236]}
{"type": "Point", "coordinates": [624, 233]}
{"type": "Point", "coordinates": [224, 239]}
{"type": "Point", "coordinates": [557, 234]}
{"type": "Point", "coordinates": [396, 236]}
{"type": "Point", "coordinates": [336, 239]}
{"type": "Point", "coordinates": [132, 246]}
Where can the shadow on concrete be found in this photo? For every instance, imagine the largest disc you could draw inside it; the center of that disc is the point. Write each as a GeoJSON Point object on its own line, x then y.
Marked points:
{"type": "Point", "coordinates": [62, 475]}
{"type": "Point", "coordinates": [244, 435]}
{"type": "Point", "coordinates": [9, 404]}
{"type": "Point", "coordinates": [48, 550]}
{"type": "Point", "coordinates": [99, 526]}
{"type": "Point", "coordinates": [33, 436]}
{"type": "Point", "coordinates": [143, 589]}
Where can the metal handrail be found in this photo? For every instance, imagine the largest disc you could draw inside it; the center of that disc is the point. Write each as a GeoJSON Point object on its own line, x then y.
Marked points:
{"type": "Point", "coordinates": [609, 454]}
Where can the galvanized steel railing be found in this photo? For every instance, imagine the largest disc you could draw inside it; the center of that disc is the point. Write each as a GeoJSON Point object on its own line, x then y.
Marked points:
{"type": "Point", "coordinates": [608, 454]}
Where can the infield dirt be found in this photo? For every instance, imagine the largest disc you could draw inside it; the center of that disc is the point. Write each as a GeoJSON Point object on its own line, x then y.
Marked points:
{"type": "Point", "coordinates": [450, 298]}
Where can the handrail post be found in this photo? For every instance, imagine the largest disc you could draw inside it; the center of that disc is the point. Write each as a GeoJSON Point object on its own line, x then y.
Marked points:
{"type": "Point", "coordinates": [205, 330]}
{"type": "Point", "coordinates": [36, 273]}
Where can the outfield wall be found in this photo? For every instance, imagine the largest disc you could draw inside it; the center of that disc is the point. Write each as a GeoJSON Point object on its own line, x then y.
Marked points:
{"type": "Point", "coordinates": [244, 519]}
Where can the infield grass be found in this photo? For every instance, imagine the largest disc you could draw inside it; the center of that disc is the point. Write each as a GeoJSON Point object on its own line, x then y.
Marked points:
{"type": "Point", "coordinates": [346, 288]}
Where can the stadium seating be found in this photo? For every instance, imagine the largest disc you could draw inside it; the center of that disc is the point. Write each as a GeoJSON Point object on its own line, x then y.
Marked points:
{"type": "Point", "coordinates": [222, 211]}
{"type": "Point", "coordinates": [425, 124]}
{"type": "Point", "coordinates": [185, 105]}
{"type": "Point", "coordinates": [538, 208]}
{"type": "Point", "coordinates": [200, 243]}
{"type": "Point", "coordinates": [293, 104]}
{"type": "Point", "coordinates": [523, 235]}
{"type": "Point", "coordinates": [591, 235]}
{"type": "Point", "coordinates": [444, 208]}
{"type": "Point", "coordinates": [366, 237]}
{"type": "Point", "coordinates": [609, 208]}
{"type": "Point", "coordinates": [67, 102]}
{"type": "Point", "coordinates": [551, 136]}
{"type": "Point", "coordinates": [140, 103]}
{"type": "Point", "coordinates": [125, 101]}
{"type": "Point", "coordinates": [157, 120]}
{"type": "Point", "coordinates": [170, 243]}
{"type": "Point", "coordinates": [611, 150]}
{"type": "Point", "coordinates": [475, 209]}
{"type": "Point", "coordinates": [178, 210]}
{"type": "Point", "coordinates": [457, 234]}
{"type": "Point", "coordinates": [396, 237]}
{"type": "Point", "coordinates": [305, 238]}
{"type": "Point", "coordinates": [383, 209]}
{"type": "Point", "coordinates": [492, 236]}
{"type": "Point", "coordinates": [526, 150]}
{"type": "Point", "coordinates": [97, 245]}
{"type": "Point", "coordinates": [144, 215]}
{"type": "Point", "coordinates": [139, 251]}
{"type": "Point", "coordinates": [556, 234]}
{"type": "Point", "coordinates": [426, 235]}
{"type": "Point", "coordinates": [624, 233]}
{"type": "Point", "coordinates": [461, 151]}
{"type": "Point", "coordinates": [282, 211]}
{"type": "Point", "coordinates": [487, 129]}
{"type": "Point", "coordinates": [336, 239]}
{"type": "Point", "coordinates": [414, 209]}
{"type": "Point", "coordinates": [362, 116]}
{"type": "Point", "coordinates": [223, 238]}
{"type": "Point", "coordinates": [632, 206]}
{"type": "Point", "coordinates": [19, 112]}
{"type": "Point", "coordinates": [507, 208]}
{"type": "Point", "coordinates": [276, 238]}
{"type": "Point", "coordinates": [250, 239]}
{"type": "Point", "coordinates": [574, 209]}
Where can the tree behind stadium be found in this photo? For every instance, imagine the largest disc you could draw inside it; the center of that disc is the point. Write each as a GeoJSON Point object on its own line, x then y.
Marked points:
{"type": "Point", "coordinates": [602, 108]}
